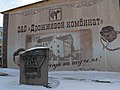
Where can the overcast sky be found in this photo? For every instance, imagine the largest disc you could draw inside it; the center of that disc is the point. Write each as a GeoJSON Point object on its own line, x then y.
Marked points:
{"type": "Point", "coordinates": [9, 4]}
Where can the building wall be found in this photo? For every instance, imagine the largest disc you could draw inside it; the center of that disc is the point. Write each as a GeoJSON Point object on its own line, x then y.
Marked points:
{"type": "Point", "coordinates": [1, 31]}
{"type": "Point", "coordinates": [85, 20]}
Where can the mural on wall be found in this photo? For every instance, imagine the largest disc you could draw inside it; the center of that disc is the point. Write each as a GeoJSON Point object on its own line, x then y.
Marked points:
{"type": "Point", "coordinates": [75, 38]}
{"type": "Point", "coordinates": [67, 46]}
{"type": "Point", "coordinates": [108, 35]}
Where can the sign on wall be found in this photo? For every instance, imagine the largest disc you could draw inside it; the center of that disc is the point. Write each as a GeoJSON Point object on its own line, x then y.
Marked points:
{"type": "Point", "coordinates": [81, 34]}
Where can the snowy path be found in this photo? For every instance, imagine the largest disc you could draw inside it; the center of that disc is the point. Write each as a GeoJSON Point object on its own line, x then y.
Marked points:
{"type": "Point", "coordinates": [65, 80]}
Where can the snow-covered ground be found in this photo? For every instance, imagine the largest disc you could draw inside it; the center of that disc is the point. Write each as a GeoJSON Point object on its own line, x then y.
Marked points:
{"type": "Point", "coordinates": [64, 80]}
